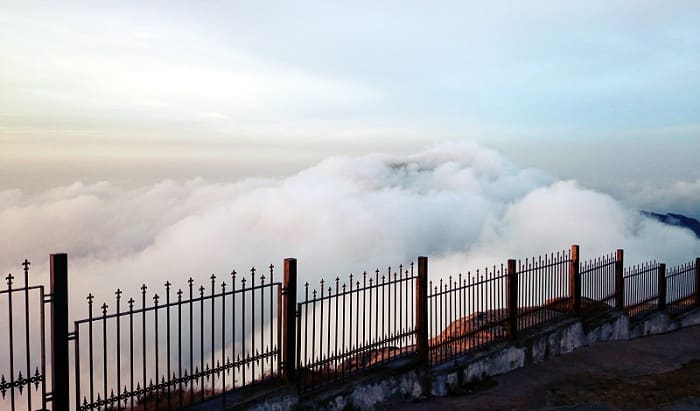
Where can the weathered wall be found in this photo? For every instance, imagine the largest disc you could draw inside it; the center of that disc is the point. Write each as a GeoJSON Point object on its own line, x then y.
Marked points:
{"type": "Point", "coordinates": [417, 382]}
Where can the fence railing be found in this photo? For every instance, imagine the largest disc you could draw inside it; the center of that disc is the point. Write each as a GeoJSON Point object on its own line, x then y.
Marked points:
{"type": "Point", "coordinates": [681, 284]}
{"type": "Point", "coordinates": [169, 351]}
{"type": "Point", "coordinates": [347, 328]}
{"type": "Point", "coordinates": [467, 313]}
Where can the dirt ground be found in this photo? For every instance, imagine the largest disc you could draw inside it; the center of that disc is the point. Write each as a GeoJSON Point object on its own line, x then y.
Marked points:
{"type": "Point", "coordinates": [653, 373]}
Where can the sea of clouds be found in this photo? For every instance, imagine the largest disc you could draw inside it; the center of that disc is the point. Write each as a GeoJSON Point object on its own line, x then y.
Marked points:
{"type": "Point", "coordinates": [461, 204]}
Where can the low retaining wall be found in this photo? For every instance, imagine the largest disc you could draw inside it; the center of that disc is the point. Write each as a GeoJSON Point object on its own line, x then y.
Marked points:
{"type": "Point", "coordinates": [409, 381]}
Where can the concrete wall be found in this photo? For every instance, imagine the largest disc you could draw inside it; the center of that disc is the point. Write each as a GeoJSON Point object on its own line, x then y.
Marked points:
{"type": "Point", "coordinates": [418, 382]}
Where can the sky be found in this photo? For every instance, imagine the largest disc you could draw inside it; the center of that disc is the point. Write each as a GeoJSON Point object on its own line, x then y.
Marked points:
{"type": "Point", "coordinates": [603, 92]}
{"type": "Point", "coordinates": [175, 138]}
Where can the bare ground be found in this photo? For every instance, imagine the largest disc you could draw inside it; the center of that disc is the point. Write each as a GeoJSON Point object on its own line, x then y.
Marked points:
{"type": "Point", "coordinates": [653, 373]}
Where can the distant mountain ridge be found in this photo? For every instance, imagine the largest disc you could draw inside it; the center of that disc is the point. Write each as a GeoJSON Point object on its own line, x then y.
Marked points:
{"type": "Point", "coordinates": [677, 220]}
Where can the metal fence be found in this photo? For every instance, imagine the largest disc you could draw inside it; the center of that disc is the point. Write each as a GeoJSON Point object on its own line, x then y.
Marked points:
{"type": "Point", "coordinates": [598, 284]}
{"type": "Point", "coordinates": [467, 313]}
{"type": "Point", "coordinates": [347, 328]}
{"type": "Point", "coordinates": [642, 288]}
{"type": "Point", "coordinates": [680, 287]}
{"type": "Point", "coordinates": [165, 352]}
{"type": "Point", "coordinates": [169, 351]}
{"type": "Point", "coordinates": [543, 289]}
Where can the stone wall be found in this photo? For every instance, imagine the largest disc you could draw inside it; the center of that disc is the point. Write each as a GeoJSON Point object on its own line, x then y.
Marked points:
{"type": "Point", "coordinates": [412, 382]}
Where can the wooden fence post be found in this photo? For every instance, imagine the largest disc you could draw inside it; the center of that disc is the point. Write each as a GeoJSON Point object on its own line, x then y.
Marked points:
{"type": "Point", "coordinates": [697, 281]}
{"type": "Point", "coordinates": [422, 349]}
{"type": "Point", "coordinates": [575, 281]}
{"type": "Point", "coordinates": [59, 331]}
{"type": "Point", "coordinates": [619, 281]}
{"type": "Point", "coordinates": [289, 302]}
{"type": "Point", "coordinates": [662, 286]}
{"type": "Point", "coordinates": [512, 299]}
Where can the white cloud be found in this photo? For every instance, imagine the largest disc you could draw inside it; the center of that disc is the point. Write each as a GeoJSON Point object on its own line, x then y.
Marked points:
{"type": "Point", "coordinates": [461, 204]}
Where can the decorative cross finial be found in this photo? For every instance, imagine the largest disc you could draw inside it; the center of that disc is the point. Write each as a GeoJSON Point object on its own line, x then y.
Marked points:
{"type": "Point", "coordinates": [156, 298]}
{"type": "Point", "coordinates": [104, 308]}
{"type": "Point", "coordinates": [143, 289]}
{"type": "Point", "coordinates": [190, 282]}
{"type": "Point", "coordinates": [252, 272]}
{"type": "Point", "coordinates": [167, 284]}
{"type": "Point", "coordinates": [90, 297]}
{"type": "Point", "coordinates": [179, 294]}
{"type": "Point", "coordinates": [118, 293]}
{"type": "Point", "coordinates": [9, 279]}
{"type": "Point", "coordinates": [26, 264]}
{"type": "Point", "coordinates": [212, 278]}
{"type": "Point", "coordinates": [131, 303]}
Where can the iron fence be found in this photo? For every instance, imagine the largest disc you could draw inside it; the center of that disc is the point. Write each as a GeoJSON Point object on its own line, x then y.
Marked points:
{"type": "Point", "coordinates": [26, 364]}
{"type": "Point", "coordinates": [641, 288]}
{"type": "Point", "coordinates": [681, 287]}
{"type": "Point", "coordinates": [186, 347]}
{"type": "Point", "coordinates": [466, 313]}
{"type": "Point", "coordinates": [543, 289]}
{"type": "Point", "coordinates": [169, 351]}
{"type": "Point", "coordinates": [598, 288]}
{"type": "Point", "coordinates": [360, 324]}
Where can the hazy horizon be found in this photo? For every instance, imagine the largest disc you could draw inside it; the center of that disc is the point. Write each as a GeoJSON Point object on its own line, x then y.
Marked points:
{"type": "Point", "coordinates": [131, 132]}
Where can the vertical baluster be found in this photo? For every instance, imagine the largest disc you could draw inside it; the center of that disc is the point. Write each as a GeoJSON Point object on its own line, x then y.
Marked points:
{"type": "Point", "coordinates": [201, 342]}
{"type": "Point", "coordinates": [179, 347]}
{"type": "Point", "coordinates": [26, 264]}
{"type": "Point", "coordinates": [104, 353]}
{"type": "Point", "coordinates": [90, 350]}
{"type": "Point", "coordinates": [118, 294]}
{"type": "Point", "coordinates": [143, 337]}
{"type": "Point", "coordinates": [11, 345]}
{"type": "Point", "coordinates": [168, 375]}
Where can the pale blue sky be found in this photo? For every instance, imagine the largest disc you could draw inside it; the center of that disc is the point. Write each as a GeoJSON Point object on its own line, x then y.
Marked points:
{"type": "Point", "coordinates": [607, 92]}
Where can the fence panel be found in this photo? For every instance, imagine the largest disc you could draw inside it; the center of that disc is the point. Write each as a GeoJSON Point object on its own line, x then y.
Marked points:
{"type": "Point", "coordinates": [598, 285]}
{"type": "Point", "coordinates": [346, 328]}
{"type": "Point", "coordinates": [466, 313]}
{"type": "Point", "coordinates": [164, 353]}
{"type": "Point", "coordinates": [543, 289]}
{"type": "Point", "coordinates": [641, 288]}
{"type": "Point", "coordinates": [680, 288]}
{"type": "Point", "coordinates": [22, 362]}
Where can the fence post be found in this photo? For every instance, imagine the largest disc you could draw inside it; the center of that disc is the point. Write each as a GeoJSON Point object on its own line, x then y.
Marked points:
{"type": "Point", "coordinates": [662, 286]}
{"type": "Point", "coordinates": [289, 301]}
{"type": "Point", "coordinates": [697, 281]}
{"type": "Point", "coordinates": [512, 299]}
{"type": "Point", "coordinates": [421, 308]}
{"type": "Point", "coordinates": [59, 331]}
{"type": "Point", "coordinates": [619, 281]}
{"type": "Point", "coordinates": [575, 281]}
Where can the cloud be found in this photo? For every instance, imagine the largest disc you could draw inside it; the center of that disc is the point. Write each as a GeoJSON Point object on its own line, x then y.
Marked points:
{"type": "Point", "coordinates": [680, 196]}
{"type": "Point", "coordinates": [461, 204]}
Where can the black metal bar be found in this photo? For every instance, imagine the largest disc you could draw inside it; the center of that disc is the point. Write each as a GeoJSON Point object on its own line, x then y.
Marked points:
{"type": "Point", "coordinates": [118, 294]}
{"type": "Point", "coordinates": [131, 350]}
{"type": "Point", "coordinates": [179, 347]}
{"type": "Point", "coordinates": [289, 294]}
{"type": "Point", "coordinates": [26, 330]}
{"type": "Point", "coordinates": [143, 338]}
{"type": "Point", "coordinates": [512, 299]}
{"type": "Point", "coordinates": [104, 352]}
{"type": "Point", "coordinates": [167, 336]}
{"type": "Point", "coordinates": [59, 332]}
{"type": "Point", "coordinates": [421, 310]}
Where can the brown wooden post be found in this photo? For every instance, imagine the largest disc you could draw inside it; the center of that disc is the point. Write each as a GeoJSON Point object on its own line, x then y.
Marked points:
{"type": "Point", "coordinates": [575, 281]}
{"type": "Point", "coordinates": [422, 349]}
{"type": "Point", "coordinates": [619, 280]}
{"type": "Point", "coordinates": [59, 331]}
{"type": "Point", "coordinates": [697, 281]}
{"type": "Point", "coordinates": [662, 286]}
{"type": "Point", "coordinates": [289, 302]}
{"type": "Point", "coordinates": [512, 299]}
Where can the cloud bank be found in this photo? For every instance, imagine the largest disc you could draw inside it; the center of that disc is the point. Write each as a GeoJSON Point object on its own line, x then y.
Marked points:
{"type": "Point", "coordinates": [461, 204]}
